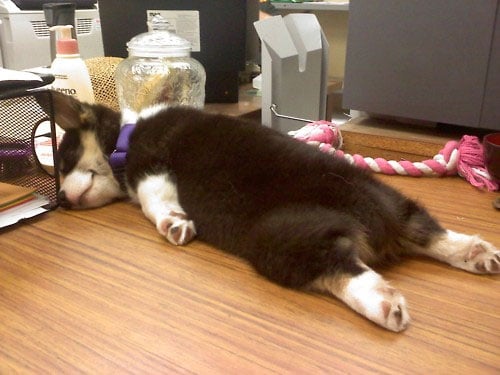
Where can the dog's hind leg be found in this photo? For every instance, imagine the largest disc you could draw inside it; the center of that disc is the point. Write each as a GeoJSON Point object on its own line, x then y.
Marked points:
{"type": "Point", "coordinates": [159, 201]}
{"type": "Point", "coordinates": [320, 249]}
{"type": "Point", "coordinates": [368, 294]}
{"type": "Point", "coordinates": [470, 253]}
{"type": "Point", "coordinates": [427, 237]}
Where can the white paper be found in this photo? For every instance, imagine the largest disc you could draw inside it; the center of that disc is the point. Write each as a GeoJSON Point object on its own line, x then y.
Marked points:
{"type": "Point", "coordinates": [24, 211]}
{"type": "Point", "coordinates": [15, 75]}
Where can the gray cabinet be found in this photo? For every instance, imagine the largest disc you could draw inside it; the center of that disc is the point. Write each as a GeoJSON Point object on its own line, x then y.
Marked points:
{"type": "Point", "coordinates": [490, 117]}
{"type": "Point", "coordinates": [434, 60]}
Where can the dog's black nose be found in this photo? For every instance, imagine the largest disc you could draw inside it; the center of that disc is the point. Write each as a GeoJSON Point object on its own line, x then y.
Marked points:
{"type": "Point", "coordinates": [63, 201]}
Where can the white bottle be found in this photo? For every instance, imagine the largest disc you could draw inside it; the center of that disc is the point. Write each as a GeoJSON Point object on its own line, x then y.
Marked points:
{"type": "Point", "coordinates": [70, 72]}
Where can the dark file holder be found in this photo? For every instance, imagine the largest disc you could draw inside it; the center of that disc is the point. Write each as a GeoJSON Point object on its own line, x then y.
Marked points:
{"type": "Point", "coordinates": [20, 116]}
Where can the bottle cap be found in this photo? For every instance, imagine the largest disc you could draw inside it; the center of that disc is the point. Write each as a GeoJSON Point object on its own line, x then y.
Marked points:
{"type": "Point", "coordinates": [65, 44]}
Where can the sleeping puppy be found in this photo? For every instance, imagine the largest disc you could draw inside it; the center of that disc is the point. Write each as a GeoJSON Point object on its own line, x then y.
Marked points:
{"type": "Point", "coordinates": [302, 218]}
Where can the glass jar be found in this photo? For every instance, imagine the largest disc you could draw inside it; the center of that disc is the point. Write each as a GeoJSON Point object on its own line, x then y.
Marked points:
{"type": "Point", "coordinates": [159, 70]}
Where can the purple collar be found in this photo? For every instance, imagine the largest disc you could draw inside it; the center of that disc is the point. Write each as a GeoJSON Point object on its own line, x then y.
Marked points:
{"type": "Point", "coordinates": [118, 158]}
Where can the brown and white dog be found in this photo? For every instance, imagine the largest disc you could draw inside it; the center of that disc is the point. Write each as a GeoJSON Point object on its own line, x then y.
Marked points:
{"type": "Point", "coordinates": [303, 219]}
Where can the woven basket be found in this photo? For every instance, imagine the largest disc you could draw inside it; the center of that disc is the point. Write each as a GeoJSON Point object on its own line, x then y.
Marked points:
{"type": "Point", "coordinates": [102, 76]}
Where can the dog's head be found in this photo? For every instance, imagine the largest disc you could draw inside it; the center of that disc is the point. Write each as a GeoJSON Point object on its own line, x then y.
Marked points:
{"type": "Point", "coordinates": [90, 136]}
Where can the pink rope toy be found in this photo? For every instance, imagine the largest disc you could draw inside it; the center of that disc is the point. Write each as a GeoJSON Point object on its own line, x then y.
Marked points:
{"type": "Point", "coordinates": [464, 157]}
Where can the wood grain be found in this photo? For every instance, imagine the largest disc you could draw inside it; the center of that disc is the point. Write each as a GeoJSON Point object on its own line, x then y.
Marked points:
{"type": "Point", "coordinates": [100, 291]}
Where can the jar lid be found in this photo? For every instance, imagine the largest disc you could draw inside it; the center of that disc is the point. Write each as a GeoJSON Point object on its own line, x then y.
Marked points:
{"type": "Point", "coordinates": [158, 42]}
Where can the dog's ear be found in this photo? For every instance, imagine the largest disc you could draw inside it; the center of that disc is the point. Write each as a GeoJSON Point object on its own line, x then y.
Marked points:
{"type": "Point", "coordinates": [67, 109]}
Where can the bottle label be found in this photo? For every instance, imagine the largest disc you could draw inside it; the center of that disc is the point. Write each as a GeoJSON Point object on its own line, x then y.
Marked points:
{"type": "Point", "coordinates": [61, 84]}
{"type": "Point", "coordinates": [72, 78]}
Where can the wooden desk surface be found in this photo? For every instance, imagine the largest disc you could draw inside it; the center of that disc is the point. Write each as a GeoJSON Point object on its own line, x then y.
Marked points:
{"type": "Point", "coordinates": [249, 104]}
{"type": "Point", "coordinates": [100, 292]}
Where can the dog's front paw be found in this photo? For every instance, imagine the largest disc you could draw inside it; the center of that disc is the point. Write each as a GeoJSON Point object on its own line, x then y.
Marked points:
{"type": "Point", "coordinates": [474, 254]}
{"type": "Point", "coordinates": [177, 229]}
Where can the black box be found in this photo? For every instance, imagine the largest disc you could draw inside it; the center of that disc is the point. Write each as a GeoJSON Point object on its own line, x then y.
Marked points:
{"type": "Point", "coordinates": [223, 30]}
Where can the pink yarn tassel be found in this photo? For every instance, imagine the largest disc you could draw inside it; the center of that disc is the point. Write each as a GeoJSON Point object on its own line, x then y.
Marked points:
{"type": "Point", "coordinates": [471, 163]}
{"type": "Point", "coordinates": [464, 158]}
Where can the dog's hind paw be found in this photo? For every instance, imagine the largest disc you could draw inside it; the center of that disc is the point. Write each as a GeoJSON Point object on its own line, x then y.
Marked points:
{"type": "Point", "coordinates": [471, 253]}
{"type": "Point", "coordinates": [176, 228]}
{"type": "Point", "coordinates": [482, 258]}
{"type": "Point", "coordinates": [394, 310]}
{"type": "Point", "coordinates": [370, 295]}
